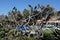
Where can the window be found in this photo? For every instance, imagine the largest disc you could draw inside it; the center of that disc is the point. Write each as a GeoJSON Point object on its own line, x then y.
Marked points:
{"type": "Point", "coordinates": [58, 24]}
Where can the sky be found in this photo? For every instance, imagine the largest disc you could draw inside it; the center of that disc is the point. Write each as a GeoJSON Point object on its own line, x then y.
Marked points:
{"type": "Point", "coordinates": [7, 5]}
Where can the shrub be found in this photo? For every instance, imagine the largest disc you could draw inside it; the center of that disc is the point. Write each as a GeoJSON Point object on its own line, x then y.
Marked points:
{"type": "Point", "coordinates": [47, 32]}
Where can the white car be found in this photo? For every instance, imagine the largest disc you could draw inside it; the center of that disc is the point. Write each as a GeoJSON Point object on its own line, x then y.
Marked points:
{"type": "Point", "coordinates": [51, 27]}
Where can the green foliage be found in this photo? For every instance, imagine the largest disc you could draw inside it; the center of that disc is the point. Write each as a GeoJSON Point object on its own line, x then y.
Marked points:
{"type": "Point", "coordinates": [1, 21]}
{"type": "Point", "coordinates": [26, 13]}
{"type": "Point", "coordinates": [19, 15]}
{"type": "Point", "coordinates": [11, 31]}
{"type": "Point", "coordinates": [10, 13]}
{"type": "Point", "coordinates": [47, 32]}
{"type": "Point", "coordinates": [6, 30]}
{"type": "Point", "coordinates": [2, 39]}
{"type": "Point", "coordinates": [21, 37]}
{"type": "Point", "coordinates": [58, 19]}
{"type": "Point", "coordinates": [2, 33]}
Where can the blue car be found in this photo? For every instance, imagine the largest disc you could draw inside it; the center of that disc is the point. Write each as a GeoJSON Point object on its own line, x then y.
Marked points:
{"type": "Point", "coordinates": [24, 29]}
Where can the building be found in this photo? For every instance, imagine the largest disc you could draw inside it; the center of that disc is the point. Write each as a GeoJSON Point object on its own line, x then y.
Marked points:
{"type": "Point", "coordinates": [54, 22]}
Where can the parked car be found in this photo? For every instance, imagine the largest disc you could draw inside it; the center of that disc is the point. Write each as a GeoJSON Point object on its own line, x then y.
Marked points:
{"type": "Point", "coordinates": [24, 29]}
{"type": "Point", "coordinates": [52, 27]}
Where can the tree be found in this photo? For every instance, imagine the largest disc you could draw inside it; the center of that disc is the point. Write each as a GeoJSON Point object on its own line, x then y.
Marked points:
{"type": "Point", "coordinates": [25, 13]}
{"type": "Point", "coordinates": [19, 16]}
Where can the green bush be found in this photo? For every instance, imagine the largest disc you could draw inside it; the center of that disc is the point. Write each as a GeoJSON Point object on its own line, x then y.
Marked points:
{"type": "Point", "coordinates": [11, 31]}
{"type": "Point", "coordinates": [2, 39]}
{"type": "Point", "coordinates": [6, 30]}
{"type": "Point", "coordinates": [2, 33]}
{"type": "Point", "coordinates": [26, 38]}
{"type": "Point", "coordinates": [47, 32]}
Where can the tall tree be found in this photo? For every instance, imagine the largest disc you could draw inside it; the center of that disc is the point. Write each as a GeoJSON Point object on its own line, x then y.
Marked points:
{"type": "Point", "coordinates": [25, 13]}
{"type": "Point", "coordinates": [19, 15]}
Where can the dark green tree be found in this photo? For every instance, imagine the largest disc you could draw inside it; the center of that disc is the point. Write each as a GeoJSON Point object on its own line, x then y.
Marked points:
{"type": "Point", "coordinates": [25, 13]}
